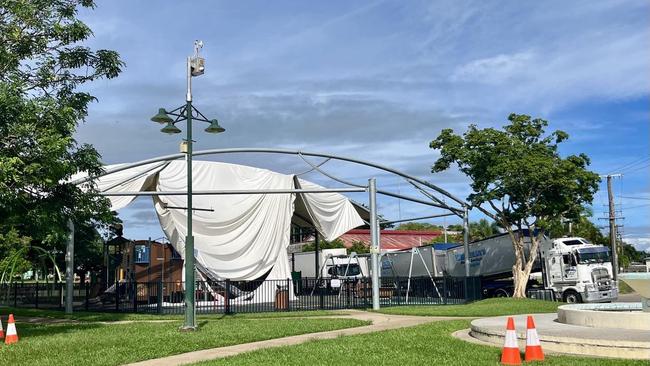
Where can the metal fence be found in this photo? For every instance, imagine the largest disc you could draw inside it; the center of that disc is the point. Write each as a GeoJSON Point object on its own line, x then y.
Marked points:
{"type": "Point", "coordinates": [243, 297]}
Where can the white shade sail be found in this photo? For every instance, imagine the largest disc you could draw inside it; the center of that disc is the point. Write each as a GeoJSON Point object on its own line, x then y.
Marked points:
{"type": "Point", "coordinates": [240, 236]}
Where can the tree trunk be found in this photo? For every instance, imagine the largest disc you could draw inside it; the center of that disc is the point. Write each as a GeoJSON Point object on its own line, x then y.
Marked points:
{"type": "Point", "coordinates": [523, 266]}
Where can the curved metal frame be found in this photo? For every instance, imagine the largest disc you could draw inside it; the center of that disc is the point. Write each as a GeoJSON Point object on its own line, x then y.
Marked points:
{"type": "Point", "coordinates": [300, 153]}
{"type": "Point", "coordinates": [419, 184]}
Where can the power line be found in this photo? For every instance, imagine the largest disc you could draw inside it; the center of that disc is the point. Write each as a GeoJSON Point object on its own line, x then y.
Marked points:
{"type": "Point", "coordinates": [638, 168]}
{"type": "Point", "coordinates": [636, 198]}
{"type": "Point", "coordinates": [639, 206]}
{"type": "Point", "coordinates": [628, 165]}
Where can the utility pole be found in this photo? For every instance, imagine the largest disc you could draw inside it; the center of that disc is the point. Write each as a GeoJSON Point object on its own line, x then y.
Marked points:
{"type": "Point", "coordinates": [612, 225]}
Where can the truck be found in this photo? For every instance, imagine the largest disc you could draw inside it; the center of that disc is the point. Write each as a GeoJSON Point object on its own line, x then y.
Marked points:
{"type": "Point", "coordinates": [571, 268]}
{"type": "Point", "coordinates": [332, 263]}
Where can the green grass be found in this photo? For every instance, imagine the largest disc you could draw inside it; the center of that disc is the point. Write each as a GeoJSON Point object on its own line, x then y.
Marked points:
{"type": "Point", "coordinates": [488, 307]}
{"type": "Point", "coordinates": [624, 288]}
{"type": "Point", "coordinates": [115, 344]}
{"type": "Point", "coordinates": [93, 316]}
{"type": "Point", "coordinates": [428, 344]}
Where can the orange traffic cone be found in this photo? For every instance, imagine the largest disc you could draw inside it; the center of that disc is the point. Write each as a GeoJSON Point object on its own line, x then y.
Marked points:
{"type": "Point", "coordinates": [2, 332]}
{"type": "Point", "coordinates": [533, 346]}
{"type": "Point", "coordinates": [12, 335]}
{"type": "Point", "coordinates": [510, 354]}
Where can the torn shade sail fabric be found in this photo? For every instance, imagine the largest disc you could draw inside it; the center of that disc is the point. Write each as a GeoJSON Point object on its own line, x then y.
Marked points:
{"type": "Point", "coordinates": [242, 235]}
{"type": "Point", "coordinates": [138, 179]}
{"type": "Point", "coordinates": [331, 212]}
{"type": "Point", "coordinates": [237, 237]}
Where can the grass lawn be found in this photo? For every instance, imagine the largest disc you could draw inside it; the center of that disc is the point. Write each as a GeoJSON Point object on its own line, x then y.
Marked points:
{"type": "Point", "coordinates": [488, 307]}
{"type": "Point", "coordinates": [114, 344]}
{"type": "Point", "coordinates": [428, 344]}
{"type": "Point", "coordinates": [92, 316]}
{"type": "Point", "coordinates": [624, 288]}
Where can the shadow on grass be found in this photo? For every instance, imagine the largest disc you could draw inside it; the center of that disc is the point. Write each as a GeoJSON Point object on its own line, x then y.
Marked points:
{"type": "Point", "coordinates": [41, 330]}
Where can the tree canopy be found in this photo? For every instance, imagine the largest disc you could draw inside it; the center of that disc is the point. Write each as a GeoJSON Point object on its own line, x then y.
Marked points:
{"type": "Point", "coordinates": [42, 65]}
{"type": "Point", "coordinates": [519, 173]}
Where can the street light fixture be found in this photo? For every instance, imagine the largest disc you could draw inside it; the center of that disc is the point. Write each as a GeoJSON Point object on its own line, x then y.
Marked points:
{"type": "Point", "coordinates": [187, 112]}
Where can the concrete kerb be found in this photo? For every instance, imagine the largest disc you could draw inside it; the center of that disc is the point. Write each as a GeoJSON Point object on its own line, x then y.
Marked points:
{"type": "Point", "coordinates": [556, 337]}
{"type": "Point", "coordinates": [379, 322]}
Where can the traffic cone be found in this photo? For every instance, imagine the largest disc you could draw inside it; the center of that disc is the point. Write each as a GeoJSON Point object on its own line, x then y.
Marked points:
{"type": "Point", "coordinates": [2, 332]}
{"type": "Point", "coordinates": [12, 335]}
{"type": "Point", "coordinates": [533, 346]}
{"type": "Point", "coordinates": [510, 354]}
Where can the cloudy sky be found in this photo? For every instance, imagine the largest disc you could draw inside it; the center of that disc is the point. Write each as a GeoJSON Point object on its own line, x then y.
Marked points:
{"type": "Point", "coordinates": [378, 81]}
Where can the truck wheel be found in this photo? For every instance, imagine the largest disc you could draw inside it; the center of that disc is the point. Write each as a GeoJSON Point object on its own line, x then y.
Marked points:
{"type": "Point", "coordinates": [501, 293]}
{"type": "Point", "coordinates": [571, 297]}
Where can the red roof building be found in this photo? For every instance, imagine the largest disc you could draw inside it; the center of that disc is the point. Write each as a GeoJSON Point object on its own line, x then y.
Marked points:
{"type": "Point", "coordinates": [391, 239]}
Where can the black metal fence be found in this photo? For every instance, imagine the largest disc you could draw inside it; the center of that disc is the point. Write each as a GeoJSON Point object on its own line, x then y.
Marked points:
{"type": "Point", "coordinates": [242, 297]}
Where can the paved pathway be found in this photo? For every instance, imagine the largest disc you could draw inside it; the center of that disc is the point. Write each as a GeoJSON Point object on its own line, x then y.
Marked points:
{"type": "Point", "coordinates": [379, 322]}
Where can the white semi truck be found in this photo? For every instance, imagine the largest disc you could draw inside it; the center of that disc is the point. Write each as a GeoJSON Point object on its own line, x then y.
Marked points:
{"type": "Point", "coordinates": [332, 263]}
{"type": "Point", "coordinates": [574, 269]}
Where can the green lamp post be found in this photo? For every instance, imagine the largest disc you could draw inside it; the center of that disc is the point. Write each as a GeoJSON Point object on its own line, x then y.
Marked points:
{"type": "Point", "coordinates": [187, 112]}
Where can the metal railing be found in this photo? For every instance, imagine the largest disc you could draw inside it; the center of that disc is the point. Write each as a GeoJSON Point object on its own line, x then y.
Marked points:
{"type": "Point", "coordinates": [244, 297]}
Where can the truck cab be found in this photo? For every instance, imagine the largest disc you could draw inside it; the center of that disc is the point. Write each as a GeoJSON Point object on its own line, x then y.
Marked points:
{"type": "Point", "coordinates": [578, 270]}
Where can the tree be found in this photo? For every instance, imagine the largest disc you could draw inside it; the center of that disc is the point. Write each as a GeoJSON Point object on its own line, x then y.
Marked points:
{"type": "Point", "coordinates": [481, 230]}
{"type": "Point", "coordinates": [359, 247]}
{"type": "Point", "coordinates": [519, 173]}
{"type": "Point", "coordinates": [580, 226]}
{"type": "Point", "coordinates": [418, 226]}
{"type": "Point", "coordinates": [324, 244]}
{"type": "Point", "coordinates": [42, 65]}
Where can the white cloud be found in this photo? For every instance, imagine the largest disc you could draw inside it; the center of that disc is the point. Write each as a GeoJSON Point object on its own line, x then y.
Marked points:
{"type": "Point", "coordinates": [494, 70]}
{"type": "Point", "coordinates": [642, 244]}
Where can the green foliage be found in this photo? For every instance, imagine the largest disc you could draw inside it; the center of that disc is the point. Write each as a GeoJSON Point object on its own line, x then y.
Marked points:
{"type": "Point", "coordinates": [418, 226]}
{"type": "Point", "coordinates": [13, 260]}
{"type": "Point", "coordinates": [519, 173]}
{"type": "Point", "coordinates": [580, 226]}
{"type": "Point", "coordinates": [482, 229]}
{"type": "Point", "coordinates": [585, 228]}
{"type": "Point", "coordinates": [42, 64]}
{"type": "Point", "coordinates": [478, 230]}
{"type": "Point", "coordinates": [324, 244]}
{"type": "Point", "coordinates": [359, 247]}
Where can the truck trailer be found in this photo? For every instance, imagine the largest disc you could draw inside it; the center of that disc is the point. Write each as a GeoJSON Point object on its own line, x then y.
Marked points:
{"type": "Point", "coordinates": [572, 268]}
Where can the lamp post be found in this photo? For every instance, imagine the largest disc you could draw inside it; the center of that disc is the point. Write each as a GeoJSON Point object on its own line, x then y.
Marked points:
{"type": "Point", "coordinates": [187, 112]}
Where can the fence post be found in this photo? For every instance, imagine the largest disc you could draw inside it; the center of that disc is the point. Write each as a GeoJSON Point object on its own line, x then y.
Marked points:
{"type": "Point", "coordinates": [15, 294]}
{"type": "Point", "coordinates": [135, 296]}
{"type": "Point", "coordinates": [36, 297]}
{"type": "Point", "coordinates": [444, 290]}
{"type": "Point", "coordinates": [227, 298]}
{"type": "Point", "coordinates": [61, 295]}
{"type": "Point", "coordinates": [398, 289]}
{"type": "Point", "coordinates": [86, 297]}
{"type": "Point", "coordinates": [160, 296]}
{"type": "Point", "coordinates": [117, 295]}
{"type": "Point", "coordinates": [288, 295]}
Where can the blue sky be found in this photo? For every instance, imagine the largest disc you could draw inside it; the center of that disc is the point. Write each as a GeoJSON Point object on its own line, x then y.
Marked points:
{"type": "Point", "coordinates": [378, 81]}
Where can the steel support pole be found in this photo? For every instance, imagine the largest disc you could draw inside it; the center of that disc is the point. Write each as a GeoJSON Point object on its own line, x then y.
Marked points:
{"type": "Point", "coordinates": [190, 311]}
{"type": "Point", "coordinates": [69, 269]}
{"type": "Point", "coordinates": [612, 228]}
{"type": "Point", "coordinates": [466, 239]}
{"type": "Point", "coordinates": [374, 241]}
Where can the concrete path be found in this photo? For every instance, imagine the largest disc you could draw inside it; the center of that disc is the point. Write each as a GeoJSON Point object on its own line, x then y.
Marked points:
{"type": "Point", "coordinates": [379, 322]}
